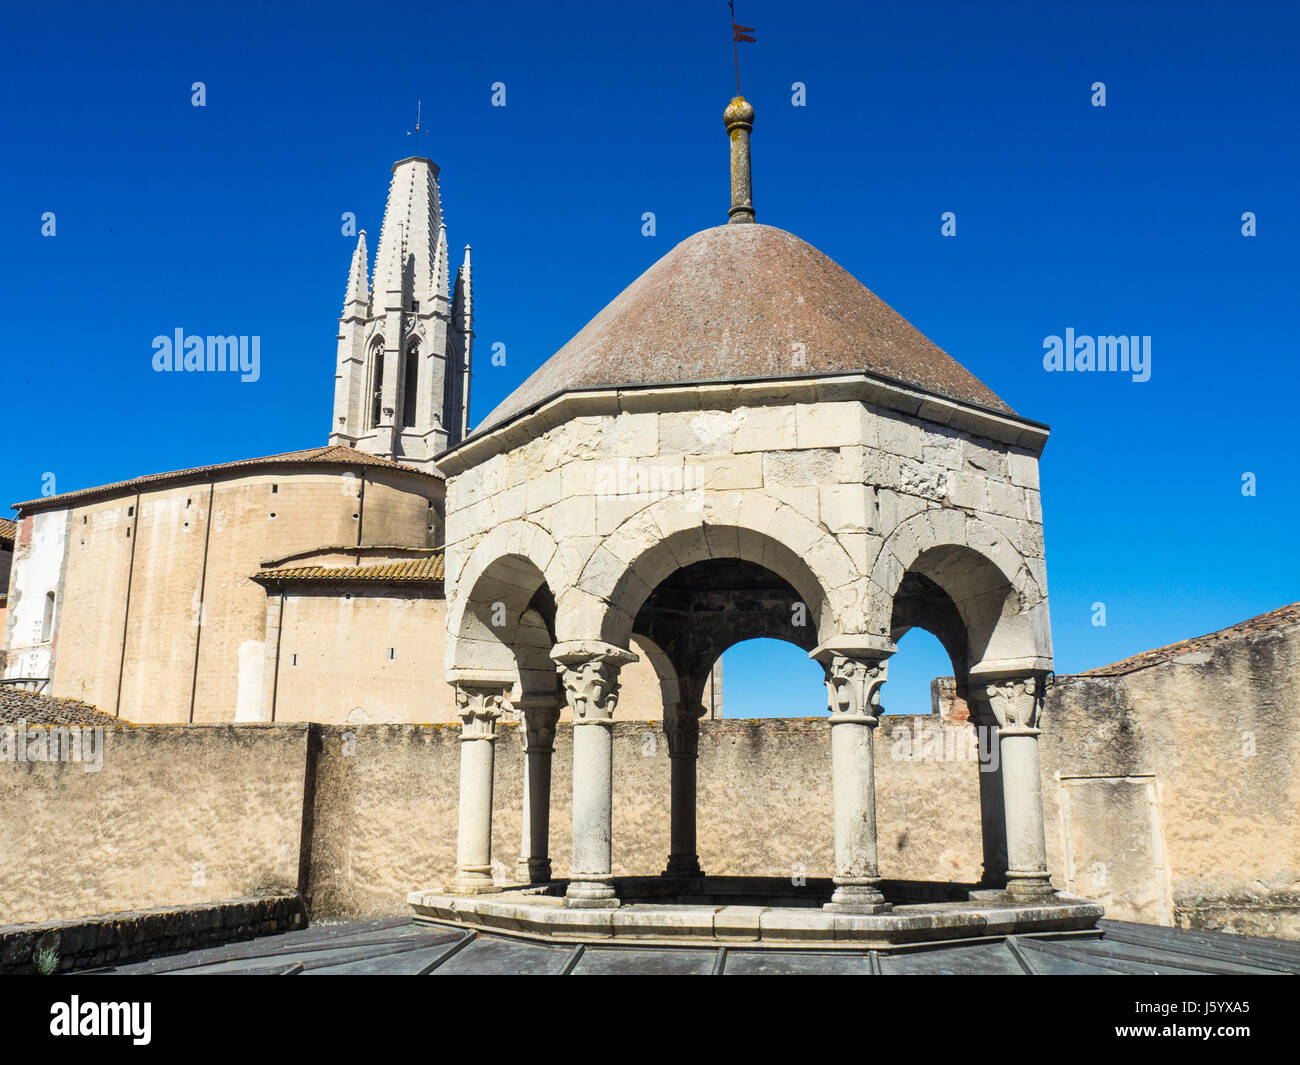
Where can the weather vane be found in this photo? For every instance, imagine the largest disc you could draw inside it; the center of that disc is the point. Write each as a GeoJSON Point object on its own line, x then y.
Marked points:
{"type": "Point", "coordinates": [738, 34]}
{"type": "Point", "coordinates": [416, 131]}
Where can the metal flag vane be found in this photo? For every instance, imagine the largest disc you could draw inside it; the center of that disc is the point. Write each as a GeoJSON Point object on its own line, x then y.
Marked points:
{"type": "Point", "coordinates": [416, 131]}
{"type": "Point", "coordinates": [738, 34]}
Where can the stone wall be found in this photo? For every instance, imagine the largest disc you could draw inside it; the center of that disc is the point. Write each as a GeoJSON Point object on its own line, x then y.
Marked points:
{"type": "Point", "coordinates": [1172, 790]}
{"type": "Point", "coordinates": [117, 938]}
{"type": "Point", "coordinates": [1170, 795]}
{"type": "Point", "coordinates": [175, 815]}
{"type": "Point", "coordinates": [129, 572]}
{"type": "Point", "coordinates": [189, 814]}
{"type": "Point", "coordinates": [353, 655]}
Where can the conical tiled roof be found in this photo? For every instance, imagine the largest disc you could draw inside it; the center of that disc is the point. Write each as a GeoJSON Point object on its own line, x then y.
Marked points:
{"type": "Point", "coordinates": [745, 301]}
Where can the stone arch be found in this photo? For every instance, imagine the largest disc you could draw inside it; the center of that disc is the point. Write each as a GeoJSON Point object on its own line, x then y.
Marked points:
{"type": "Point", "coordinates": [496, 621]}
{"type": "Point", "coordinates": [999, 600]}
{"type": "Point", "coordinates": [677, 531]}
{"type": "Point", "coordinates": [665, 673]}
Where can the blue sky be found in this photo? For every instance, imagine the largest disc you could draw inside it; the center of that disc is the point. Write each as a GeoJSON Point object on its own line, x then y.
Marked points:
{"type": "Point", "coordinates": [1122, 219]}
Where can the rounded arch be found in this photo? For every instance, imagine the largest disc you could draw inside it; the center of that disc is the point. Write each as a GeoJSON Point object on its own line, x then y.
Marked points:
{"type": "Point", "coordinates": [649, 687]}
{"type": "Point", "coordinates": [678, 531]}
{"type": "Point", "coordinates": [501, 612]}
{"type": "Point", "coordinates": [999, 601]}
{"type": "Point", "coordinates": [770, 676]}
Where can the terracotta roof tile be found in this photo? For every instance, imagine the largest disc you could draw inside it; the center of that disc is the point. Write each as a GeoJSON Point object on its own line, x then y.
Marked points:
{"type": "Point", "coordinates": [16, 705]}
{"type": "Point", "coordinates": [8, 530]}
{"type": "Point", "coordinates": [1274, 619]}
{"type": "Point", "coordinates": [332, 455]}
{"type": "Point", "coordinates": [745, 301]}
{"type": "Point", "coordinates": [428, 569]}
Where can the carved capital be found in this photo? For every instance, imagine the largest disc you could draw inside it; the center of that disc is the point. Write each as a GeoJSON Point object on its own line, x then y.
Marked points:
{"type": "Point", "coordinates": [591, 689]}
{"type": "Point", "coordinates": [539, 728]}
{"type": "Point", "coordinates": [589, 675]}
{"type": "Point", "coordinates": [479, 707]}
{"type": "Point", "coordinates": [1016, 702]}
{"type": "Point", "coordinates": [853, 686]}
{"type": "Point", "coordinates": [682, 727]}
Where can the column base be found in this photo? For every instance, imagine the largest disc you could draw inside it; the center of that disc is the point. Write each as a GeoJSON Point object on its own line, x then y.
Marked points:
{"type": "Point", "coordinates": [1030, 885]}
{"type": "Point", "coordinates": [686, 865]}
{"type": "Point", "coordinates": [533, 870]}
{"type": "Point", "coordinates": [857, 897]}
{"type": "Point", "coordinates": [590, 895]}
{"type": "Point", "coordinates": [471, 883]}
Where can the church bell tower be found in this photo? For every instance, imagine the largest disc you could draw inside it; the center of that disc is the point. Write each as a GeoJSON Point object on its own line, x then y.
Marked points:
{"type": "Point", "coordinates": [401, 387]}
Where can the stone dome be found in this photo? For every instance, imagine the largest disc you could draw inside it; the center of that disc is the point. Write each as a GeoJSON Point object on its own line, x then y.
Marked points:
{"type": "Point", "coordinates": [740, 302]}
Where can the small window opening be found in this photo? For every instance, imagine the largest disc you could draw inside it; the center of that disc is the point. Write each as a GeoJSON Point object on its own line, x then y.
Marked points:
{"type": "Point", "coordinates": [47, 621]}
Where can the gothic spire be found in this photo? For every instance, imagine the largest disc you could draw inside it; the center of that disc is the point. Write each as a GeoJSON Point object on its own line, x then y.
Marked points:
{"type": "Point", "coordinates": [409, 235]}
{"type": "Point", "coordinates": [439, 281]}
{"type": "Point", "coordinates": [357, 299]}
{"type": "Point", "coordinates": [465, 295]}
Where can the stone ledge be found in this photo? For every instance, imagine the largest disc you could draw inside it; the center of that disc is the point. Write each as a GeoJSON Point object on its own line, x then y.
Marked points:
{"type": "Point", "coordinates": [136, 935]}
{"type": "Point", "coordinates": [533, 914]}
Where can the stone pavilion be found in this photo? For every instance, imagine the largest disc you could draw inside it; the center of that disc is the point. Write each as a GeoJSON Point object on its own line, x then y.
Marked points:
{"type": "Point", "coordinates": [746, 442]}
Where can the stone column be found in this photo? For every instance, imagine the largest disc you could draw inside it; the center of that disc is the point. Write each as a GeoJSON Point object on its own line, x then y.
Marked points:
{"type": "Point", "coordinates": [1016, 703]}
{"type": "Point", "coordinates": [682, 727]}
{"type": "Point", "coordinates": [853, 683]}
{"type": "Point", "coordinates": [479, 706]}
{"type": "Point", "coordinates": [540, 716]}
{"type": "Point", "coordinates": [589, 673]}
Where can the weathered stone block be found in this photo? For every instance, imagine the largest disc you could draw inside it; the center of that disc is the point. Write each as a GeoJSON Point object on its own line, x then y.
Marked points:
{"type": "Point", "coordinates": [846, 508]}
{"type": "Point", "coordinates": [543, 490]}
{"type": "Point", "coordinates": [968, 488]}
{"type": "Point", "coordinates": [612, 512]}
{"type": "Point", "coordinates": [494, 475]}
{"type": "Point", "coordinates": [511, 503]}
{"type": "Point", "coordinates": [764, 429]}
{"type": "Point", "coordinates": [1023, 470]}
{"type": "Point", "coordinates": [917, 478]}
{"type": "Point", "coordinates": [632, 435]}
{"type": "Point", "coordinates": [704, 432]}
{"type": "Point", "coordinates": [893, 508]}
{"type": "Point", "coordinates": [573, 517]}
{"type": "Point", "coordinates": [803, 500]}
{"type": "Point", "coordinates": [1033, 505]}
{"type": "Point", "coordinates": [1006, 499]}
{"type": "Point", "coordinates": [828, 424]}
{"type": "Point", "coordinates": [725, 472]}
{"type": "Point", "coordinates": [793, 468]}
{"type": "Point", "coordinates": [899, 437]}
